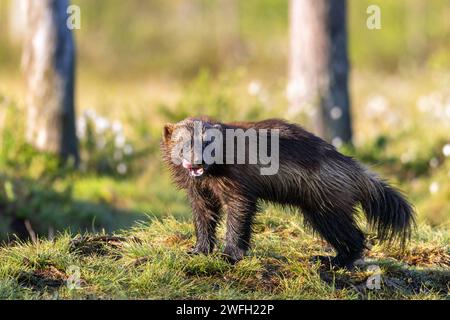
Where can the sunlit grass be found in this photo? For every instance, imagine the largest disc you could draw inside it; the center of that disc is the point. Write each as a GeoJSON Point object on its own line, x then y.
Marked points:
{"type": "Point", "coordinates": [152, 263]}
{"type": "Point", "coordinates": [401, 130]}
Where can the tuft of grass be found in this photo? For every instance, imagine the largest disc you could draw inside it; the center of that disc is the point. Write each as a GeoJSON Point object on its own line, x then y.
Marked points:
{"type": "Point", "coordinates": [150, 261]}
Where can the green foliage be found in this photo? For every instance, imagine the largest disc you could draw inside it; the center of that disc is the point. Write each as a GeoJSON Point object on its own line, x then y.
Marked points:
{"type": "Point", "coordinates": [50, 206]}
{"type": "Point", "coordinates": [410, 35]}
{"type": "Point", "coordinates": [400, 124]}
{"type": "Point", "coordinates": [402, 143]}
{"type": "Point", "coordinates": [36, 189]}
{"type": "Point", "coordinates": [218, 99]}
{"type": "Point", "coordinates": [150, 262]}
{"type": "Point", "coordinates": [179, 38]}
{"type": "Point", "coordinates": [104, 147]}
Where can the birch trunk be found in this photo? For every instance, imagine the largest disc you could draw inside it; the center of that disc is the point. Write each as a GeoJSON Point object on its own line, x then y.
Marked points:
{"type": "Point", "coordinates": [49, 65]}
{"type": "Point", "coordinates": [318, 70]}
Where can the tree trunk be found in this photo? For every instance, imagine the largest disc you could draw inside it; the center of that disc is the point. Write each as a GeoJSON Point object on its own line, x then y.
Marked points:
{"type": "Point", "coordinates": [49, 65]}
{"type": "Point", "coordinates": [318, 71]}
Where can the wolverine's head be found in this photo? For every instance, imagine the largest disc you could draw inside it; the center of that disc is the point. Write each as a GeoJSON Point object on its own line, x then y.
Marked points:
{"type": "Point", "coordinates": [193, 144]}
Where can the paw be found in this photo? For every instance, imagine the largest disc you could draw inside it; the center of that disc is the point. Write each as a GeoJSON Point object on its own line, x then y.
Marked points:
{"type": "Point", "coordinates": [340, 262]}
{"type": "Point", "coordinates": [200, 250]}
{"type": "Point", "coordinates": [233, 255]}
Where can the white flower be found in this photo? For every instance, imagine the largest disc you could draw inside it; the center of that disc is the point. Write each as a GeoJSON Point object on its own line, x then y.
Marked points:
{"type": "Point", "coordinates": [446, 150]}
{"type": "Point", "coordinates": [119, 141]}
{"type": "Point", "coordinates": [117, 127]}
{"type": "Point", "coordinates": [101, 125]}
{"type": "Point", "coordinates": [254, 88]}
{"type": "Point", "coordinates": [434, 187]}
{"type": "Point", "coordinates": [434, 104]}
{"type": "Point", "coordinates": [81, 127]}
{"type": "Point", "coordinates": [122, 168]}
{"type": "Point", "coordinates": [408, 157]}
{"type": "Point", "coordinates": [337, 142]}
{"type": "Point", "coordinates": [423, 103]}
{"type": "Point", "coordinates": [336, 113]}
{"type": "Point", "coordinates": [433, 163]}
{"type": "Point", "coordinates": [128, 149]}
{"type": "Point", "coordinates": [89, 113]}
{"type": "Point", "coordinates": [392, 119]}
{"type": "Point", "coordinates": [376, 106]}
{"type": "Point", "coordinates": [447, 110]}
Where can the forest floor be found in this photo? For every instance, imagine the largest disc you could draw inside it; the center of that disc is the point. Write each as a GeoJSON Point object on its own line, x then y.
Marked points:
{"type": "Point", "coordinates": [150, 261]}
{"type": "Point", "coordinates": [401, 132]}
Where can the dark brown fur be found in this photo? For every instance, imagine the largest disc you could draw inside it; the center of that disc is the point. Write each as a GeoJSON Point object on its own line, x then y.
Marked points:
{"type": "Point", "coordinates": [313, 176]}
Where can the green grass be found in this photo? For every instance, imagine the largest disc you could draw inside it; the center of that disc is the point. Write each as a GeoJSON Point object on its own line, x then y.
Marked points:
{"type": "Point", "coordinates": [150, 261]}
{"type": "Point", "coordinates": [400, 125]}
{"type": "Point", "coordinates": [135, 74]}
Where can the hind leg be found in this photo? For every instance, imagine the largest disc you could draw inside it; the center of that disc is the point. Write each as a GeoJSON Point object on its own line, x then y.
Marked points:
{"type": "Point", "coordinates": [338, 227]}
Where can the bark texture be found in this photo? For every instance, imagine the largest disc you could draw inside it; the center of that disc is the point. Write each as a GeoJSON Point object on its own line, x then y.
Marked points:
{"type": "Point", "coordinates": [319, 67]}
{"type": "Point", "coordinates": [49, 66]}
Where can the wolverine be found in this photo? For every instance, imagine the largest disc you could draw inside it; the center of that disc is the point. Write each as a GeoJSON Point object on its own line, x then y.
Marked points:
{"type": "Point", "coordinates": [326, 186]}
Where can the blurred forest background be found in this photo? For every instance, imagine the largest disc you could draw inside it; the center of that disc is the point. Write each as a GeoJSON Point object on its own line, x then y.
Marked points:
{"type": "Point", "coordinates": [143, 63]}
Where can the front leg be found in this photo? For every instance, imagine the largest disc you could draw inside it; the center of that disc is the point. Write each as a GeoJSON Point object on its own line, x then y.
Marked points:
{"type": "Point", "coordinates": [206, 211]}
{"type": "Point", "coordinates": [241, 211]}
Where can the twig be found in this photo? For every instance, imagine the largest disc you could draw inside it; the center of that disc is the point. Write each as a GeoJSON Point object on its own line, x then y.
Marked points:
{"type": "Point", "coordinates": [30, 231]}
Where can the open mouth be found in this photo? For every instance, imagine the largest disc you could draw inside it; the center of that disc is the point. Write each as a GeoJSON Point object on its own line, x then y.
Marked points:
{"type": "Point", "coordinates": [194, 170]}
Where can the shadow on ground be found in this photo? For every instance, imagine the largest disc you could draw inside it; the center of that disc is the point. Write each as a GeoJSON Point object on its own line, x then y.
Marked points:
{"type": "Point", "coordinates": [30, 209]}
{"type": "Point", "coordinates": [374, 275]}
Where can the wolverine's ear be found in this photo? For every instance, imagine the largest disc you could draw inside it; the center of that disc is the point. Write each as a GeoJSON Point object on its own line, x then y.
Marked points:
{"type": "Point", "coordinates": [214, 126]}
{"type": "Point", "coordinates": [167, 132]}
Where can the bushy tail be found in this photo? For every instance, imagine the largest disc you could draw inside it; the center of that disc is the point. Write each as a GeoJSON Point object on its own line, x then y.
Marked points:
{"type": "Point", "coordinates": [388, 212]}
